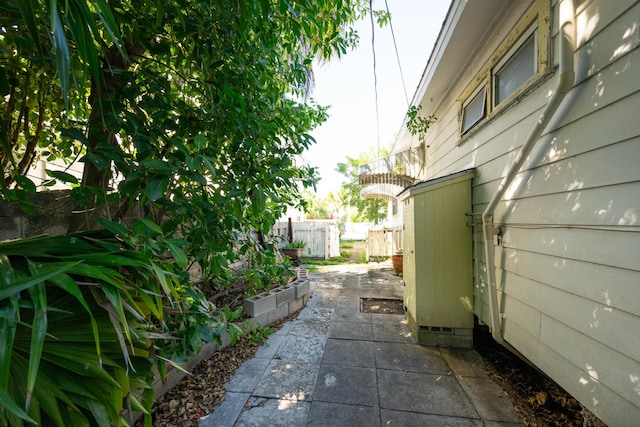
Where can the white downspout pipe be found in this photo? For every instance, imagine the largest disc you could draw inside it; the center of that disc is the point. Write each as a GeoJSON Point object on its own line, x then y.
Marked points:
{"type": "Point", "coordinates": [565, 83]}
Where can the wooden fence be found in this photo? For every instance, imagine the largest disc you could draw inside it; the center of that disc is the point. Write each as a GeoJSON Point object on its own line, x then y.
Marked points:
{"type": "Point", "coordinates": [322, 237]}
{"type": "Point", "coordinates": [383, 242]}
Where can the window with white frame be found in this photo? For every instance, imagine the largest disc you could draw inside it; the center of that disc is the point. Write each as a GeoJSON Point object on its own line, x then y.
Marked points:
{"type": "Point", "coordinates": [517, 63]}
{"type": "Point", "coordinates": [475, 109]}
{"type": "Point", "coordinates": [516, 68]}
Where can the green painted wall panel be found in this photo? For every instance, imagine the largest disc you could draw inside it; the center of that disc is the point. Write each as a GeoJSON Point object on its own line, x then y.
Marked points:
{"type": "Point", "coordinates": [438, 252]}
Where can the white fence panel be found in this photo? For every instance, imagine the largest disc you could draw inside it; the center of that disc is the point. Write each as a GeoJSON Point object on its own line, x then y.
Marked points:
{"type": "Point", "coordinates": [322, 237]}
{"type": "Point", "coordinates": [333, 242]}
{"type": "Point", "coordinates": [383, 242]}
{"type": "Point", "coordinates": [315, 238]}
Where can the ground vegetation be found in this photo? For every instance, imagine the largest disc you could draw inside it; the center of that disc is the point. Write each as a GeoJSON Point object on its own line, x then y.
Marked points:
{"type": "Point", "coordinates": [188, 118]}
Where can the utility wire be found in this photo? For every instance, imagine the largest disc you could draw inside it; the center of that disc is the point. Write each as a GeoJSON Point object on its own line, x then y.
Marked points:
{"type": "Point", "coordinates": [375, 74]}
{"type": "Point", "coordinates": [395, 46]}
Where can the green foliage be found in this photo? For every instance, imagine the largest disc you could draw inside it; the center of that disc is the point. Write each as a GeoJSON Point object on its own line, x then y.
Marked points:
{"type": "Point", "coordinates": [189, 113]}
{"type": "Point", "coordinates": [266, 271]}
{"type": "Point", "coordinates": [84, 319]}
{"type": "Point", "coordinates": [296, 244]}
{"type": "Point", "coordinates": [257, 334]}
{"type": "Point", "coordinates": [418, 125]}
{"type": "Point", "coordinates": [196, 109]}
{"type": "Point", "coordinates": [321, 207]}
{"type": "Point", "coordinates": [343, 258]}
{"type": "Point", "coordinates": [367, 210]}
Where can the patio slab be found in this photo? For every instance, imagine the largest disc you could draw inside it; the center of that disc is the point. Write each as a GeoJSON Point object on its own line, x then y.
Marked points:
{"type": "Point", "coordinates": [347, 385]}
{"type": "Point", "coordinates": [424, 393]}
{"type": "Point", "coordinates": [351, 330]}
{"type": "Point", "coordinates": [247, 376]}
{"type": "Point", "coordinates": [392, 333]}
{"type": "Point", "coordinates": [260, 412]}
{"type": "Point", "coordinates": [335, 366]}
{"type": "Point", "coordinates": [347, 315]}
{"type": "Point", "coordinates": [227, 412]}
{"type": "Point", "coordinates": [301, 349]}
{"type": "Point", "coordinates": [321, 314]}
{"type": "Point", "coordinates": [489, 399]}
{"type": "Point", "coordinates": [343, 415]}
{"type": "Point", "coordinates": [349, 353]}
{"type": "Point", "coordinates": [410, 357]}
{"type": "Point", "coordinates": [402, 418]}
{"type": "Point", "coordinates": [287, 380]}
{"type": "Point", "coordinates": [310, 328]}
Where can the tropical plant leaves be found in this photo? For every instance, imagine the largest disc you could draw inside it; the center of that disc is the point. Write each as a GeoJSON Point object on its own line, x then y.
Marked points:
{"type": "Point", "coordinates": [54, 305]}
{"type": "Point", "coordinates": [8, 403]}
{"type": "Point", "coordinates": [202, 122]}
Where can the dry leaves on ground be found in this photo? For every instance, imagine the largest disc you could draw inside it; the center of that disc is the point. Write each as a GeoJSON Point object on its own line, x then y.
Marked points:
{"type": "Point", "coordinates": [197, 394]}
{"type": "Point", "coordinates": [539, 400]}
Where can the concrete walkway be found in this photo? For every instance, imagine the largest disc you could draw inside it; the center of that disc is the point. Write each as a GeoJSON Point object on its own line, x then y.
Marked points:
{"type": "Point", "coordinates": [336, 366]}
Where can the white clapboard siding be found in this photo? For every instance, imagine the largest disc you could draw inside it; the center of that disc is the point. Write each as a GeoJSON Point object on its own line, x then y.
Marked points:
{"type": "Point", "coordinates": [597, 246]}
{"type": "Point", "coordinates": [603, 206]}
{"type": "Point", "coordinates": [602, 364]}
{"type": "Point", "coordinates": [570, 275]}
{"type": "Point", "coordinates": [606, 403]}
{"type": "Point", "coordinates": [595, 17]}
{"type": "Point", "coordinates": [609, 38]}
{"type": "Point", "coordinates": [597, 320]}
{"type": "Point", "coordinates": [568, 269]}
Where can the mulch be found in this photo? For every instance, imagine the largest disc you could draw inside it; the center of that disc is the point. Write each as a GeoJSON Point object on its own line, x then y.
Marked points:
{"type": "Point", "coordinates": [197, 394]}
{"type": "Point", "coordinates": [539, 400]}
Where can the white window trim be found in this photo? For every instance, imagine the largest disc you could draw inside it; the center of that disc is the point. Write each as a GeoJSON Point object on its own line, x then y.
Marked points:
{"type": "Point", "coordinates": [536, 20]}
{"type": "Point", "coordinates": [469, 100]}
{"type": "Point", "coordinates": [507, 57]}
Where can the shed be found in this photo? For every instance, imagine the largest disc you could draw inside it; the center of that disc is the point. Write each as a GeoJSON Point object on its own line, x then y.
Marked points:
{"type": "Point", "coordinates": [438, 264]}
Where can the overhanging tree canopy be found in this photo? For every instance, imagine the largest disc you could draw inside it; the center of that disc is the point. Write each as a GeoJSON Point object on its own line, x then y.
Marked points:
{"type": "Point", "coordinates": [195, 110]}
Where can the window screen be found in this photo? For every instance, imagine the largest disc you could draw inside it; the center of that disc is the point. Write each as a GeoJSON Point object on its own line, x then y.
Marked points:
{"type": "Point", "coordinates": [517, 70]}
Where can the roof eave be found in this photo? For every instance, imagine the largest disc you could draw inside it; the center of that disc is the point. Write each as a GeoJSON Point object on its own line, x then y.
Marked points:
{"type": "Point", "coordinates": [465, 25]}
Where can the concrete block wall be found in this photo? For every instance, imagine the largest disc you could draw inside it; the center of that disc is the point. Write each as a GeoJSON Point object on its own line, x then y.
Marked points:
{"type": "Point", "coordinates": [53, 210]}
{"type": "Point", "coordinates": [268, 307]}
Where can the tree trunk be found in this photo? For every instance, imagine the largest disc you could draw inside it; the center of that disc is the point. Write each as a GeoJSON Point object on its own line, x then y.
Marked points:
{"type": "Point", "coordinates": [99, 130]}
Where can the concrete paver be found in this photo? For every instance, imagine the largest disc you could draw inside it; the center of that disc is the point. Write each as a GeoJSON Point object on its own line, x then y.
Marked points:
{"type": "Point", "coordinates": [424, 393]}
{"type": "Point", "coordinates": [336, 366]}
{"type": "Point", "coordinates": [287, 380]}
{"type": "Point", "coordinates": [410, 357]}
{"type": "Point", "coordinates": [347, 384]}
{"type": "Point", "coordinates": [351, 330]}
{"type": "Point", "coordinates": [324, 414]}
{"type": "Point", "coordinates": [349, 353]}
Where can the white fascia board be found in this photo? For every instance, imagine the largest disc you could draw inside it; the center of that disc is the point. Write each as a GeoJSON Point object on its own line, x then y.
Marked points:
{"type": "Point", "coordinates": [466, 24]}
{"type": "Point", "coordinates": [448, 26]}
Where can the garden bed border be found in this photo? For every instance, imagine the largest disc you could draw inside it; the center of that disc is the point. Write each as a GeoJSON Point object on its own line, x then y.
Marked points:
{"type": "Point", "coordinates": [287, 300]}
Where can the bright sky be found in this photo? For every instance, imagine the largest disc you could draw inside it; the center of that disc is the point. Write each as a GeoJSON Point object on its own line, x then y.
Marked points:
{"type": "Point", "coordinates": [347, 85]}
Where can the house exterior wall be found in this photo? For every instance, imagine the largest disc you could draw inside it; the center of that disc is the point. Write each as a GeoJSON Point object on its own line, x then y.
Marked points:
{"type": "Point", "coordinates": [567, 259]}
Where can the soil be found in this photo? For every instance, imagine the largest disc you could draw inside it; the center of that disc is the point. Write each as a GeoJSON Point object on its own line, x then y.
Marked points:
{"type": "Point", "coordinates": [382, 306]}
{"type": "Point", "coordinates": [539, 400]}
{"type": "Point", "coordinates": [356, 252]}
